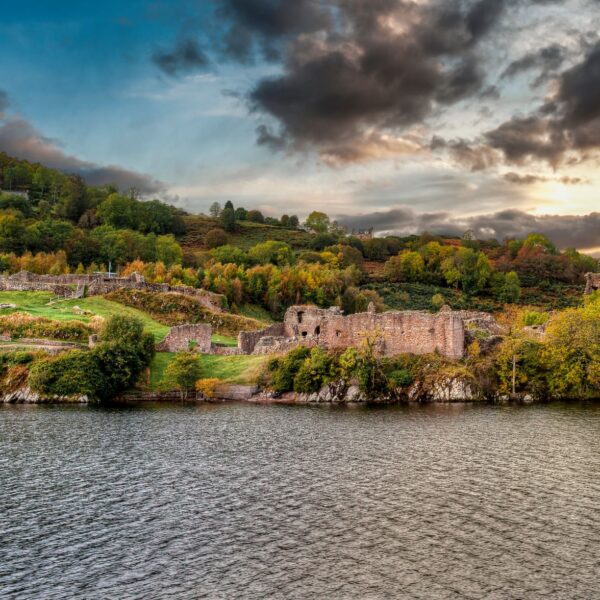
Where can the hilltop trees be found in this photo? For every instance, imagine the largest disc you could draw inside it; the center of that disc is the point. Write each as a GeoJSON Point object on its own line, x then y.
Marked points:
{"type": "Point", "coordinates": [318, 222]}
{"type": "Point", "coordinates": [228, 217]}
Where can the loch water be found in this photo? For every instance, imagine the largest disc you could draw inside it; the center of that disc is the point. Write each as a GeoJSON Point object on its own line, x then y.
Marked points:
{"type": "Point", "coordinates": [241, 501]}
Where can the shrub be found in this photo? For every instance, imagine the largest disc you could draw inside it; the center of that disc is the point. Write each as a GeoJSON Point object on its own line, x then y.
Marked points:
{"type": "Point", "coordinates": [113, 366]}
{"type": "Point", "coordinates": [284, 370]}
{"type": "Point", "coordinates": [315, 371]}
{"type": "Point", "coordinates": [207, 387]}
{"type": "Point", "coordinates": [533, 318]}
{"type": "Point", "coordinates": [363, 364]}
{"type": "Point", "coordinates": [20, 325]}
{"type": "Point", "coordinates": [437, 301]}
{"type": "Point", "coordinates": [183, 372]}
{"type": "Point", "coordinates": [400, 378]}
{"type": "Point", "coordinates": [215, 238]}
{"type": "Point", "coordinates": [68, 374]}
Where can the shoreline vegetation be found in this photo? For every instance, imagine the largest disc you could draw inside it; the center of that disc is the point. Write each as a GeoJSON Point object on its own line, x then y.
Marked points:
{"type": "Point", "coordinates": [543, 342]}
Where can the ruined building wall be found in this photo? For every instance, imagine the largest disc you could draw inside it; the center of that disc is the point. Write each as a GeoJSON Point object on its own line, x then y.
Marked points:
{"type": "Point", "coordinates": [181, 339]}
{"type": "Point", "coordinates": [400, 332]}
{"type": "Point", "coordinates": [592, 282]}
{"type": "Point", "coordinates": [247, 340]}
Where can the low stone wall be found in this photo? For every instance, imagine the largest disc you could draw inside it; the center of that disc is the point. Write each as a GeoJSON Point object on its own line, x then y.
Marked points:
{"type": "Point", "coordinates": [247, 340]}
{"type": "Point", "coordinates": [75, 286]}
{"type": "Point", "coordinates": [225, 350]}
{"type": "Point", "coordinates": [187, 337]}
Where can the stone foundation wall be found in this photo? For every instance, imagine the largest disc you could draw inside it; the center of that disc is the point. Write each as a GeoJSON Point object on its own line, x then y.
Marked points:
{"type": "Point", "coordinates": [182, 338]}
{"type": "Point", "coordinates": [225, 351]}
{"type": "Point", "coordinates": [592, 282]}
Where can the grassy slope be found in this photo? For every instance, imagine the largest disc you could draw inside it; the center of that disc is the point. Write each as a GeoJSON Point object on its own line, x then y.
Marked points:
{"type": "Point", "coordinates": [248, 234]}
{"type": "Point", "coordinates": [230, 369]}
{"type": "Point", "coordinates": [41, 304]}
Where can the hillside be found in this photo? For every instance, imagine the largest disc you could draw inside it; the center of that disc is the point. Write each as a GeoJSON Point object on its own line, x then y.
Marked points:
{"type": "Point", "coordinates": [247, 234]}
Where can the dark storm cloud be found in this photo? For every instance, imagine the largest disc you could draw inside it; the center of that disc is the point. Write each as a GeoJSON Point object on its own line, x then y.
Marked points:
{"type": "Point", "coordinates": [547, 60]}
{"type": "Point", "coordinates": [262, 25]}
{"type": "Point", "coordinates": [186, 56]}
{"type": "Point", "coordinates": [385, 67]}
{"type": "Point", "coordinates": [564, 130]}
{"type": "Point", "coordinates": [564, 230]}
{"type": "Point", "coordinates": [20, 139]}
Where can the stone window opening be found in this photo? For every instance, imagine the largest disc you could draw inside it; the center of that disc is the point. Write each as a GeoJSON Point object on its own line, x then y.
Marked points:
{"type": "Point", "coordinates": [300, 316]}
{"type": "Point", "coordinates": [304, 334]}
{"type": "Point", "coordinates": [318, 330]}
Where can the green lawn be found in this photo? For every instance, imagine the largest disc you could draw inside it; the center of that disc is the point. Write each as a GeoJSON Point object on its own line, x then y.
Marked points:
{"type": "Point", "coordinates": [224, 340]}
{"type": "Point", "coordinates": [229, 369]}
{"type": "Point", "coordinates": [45, 304]}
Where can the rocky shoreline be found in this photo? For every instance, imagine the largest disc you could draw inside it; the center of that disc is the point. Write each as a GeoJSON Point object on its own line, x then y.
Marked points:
{"type": "Point", "coordinates": [336, 393]}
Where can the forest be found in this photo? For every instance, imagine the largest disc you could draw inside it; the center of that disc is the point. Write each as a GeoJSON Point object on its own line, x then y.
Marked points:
{"type": "Point", "coordinates": [56, 223]}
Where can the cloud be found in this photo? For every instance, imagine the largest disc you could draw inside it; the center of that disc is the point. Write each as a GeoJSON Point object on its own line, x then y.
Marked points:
{"type": "Point", "coordinates": [565, 129]}
{"type": "Point", "coordinates": [262, 27]}
{"type": "Point", "coordinates": [529, 179]}
{"type": "Point", "coordinates": [385, 68]}
{"type": "Point", "coordinates": [564, 230]}
{"type": "Point", "coordinates": [185, 57]}
{"type": "Point", "coordinates": [547, 60]}
{"type": "Point", "coordinates": [4, 103]}
{"type": "Point", "coordinates": [20, 139]}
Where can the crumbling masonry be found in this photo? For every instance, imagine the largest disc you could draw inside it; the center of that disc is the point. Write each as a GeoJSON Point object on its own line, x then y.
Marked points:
{"type": "Point", "coordinates": [412, 332]}
{"type": "Point", "coordinates": [592, 282]}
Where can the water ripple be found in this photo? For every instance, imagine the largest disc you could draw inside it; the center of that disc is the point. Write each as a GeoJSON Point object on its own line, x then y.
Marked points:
{"type": "Point", "coordinates": [280, 502]}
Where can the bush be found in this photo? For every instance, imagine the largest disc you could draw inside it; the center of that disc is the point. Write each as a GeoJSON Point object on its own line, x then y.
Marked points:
{"type": "Point", "coordinates": [284, 370]}
{"type": "Point", "coordinates": [184, 372]}
{"type": "Point", "coordinates": [68, 374]}
{"type": "Point", "coordinates": [113, 366]}
{"type": "Point", "coordinates": [437, 301]}
{"type": "Point", "coordinates": [207, 387]}
{"type": "Point", "coordinates": [400, 378]}
{"type": "Point", "coordinates": [215, 238]}
{"type": "Point", "coordinates": [20, 325]}
{"type": "Point", "coordinates": [315, 371]}
{"type": "Point", "coordinates": [532, 318]}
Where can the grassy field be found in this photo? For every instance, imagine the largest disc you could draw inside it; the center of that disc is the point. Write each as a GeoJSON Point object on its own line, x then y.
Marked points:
{"type": "Point", "coordinates": [224, 340]}
{"type": "Point", "coordinates": [45, 304]}
{"type": "Point", "coordinates": [248, 234]}
{"type": "Point", "coordinates": [229, 369]}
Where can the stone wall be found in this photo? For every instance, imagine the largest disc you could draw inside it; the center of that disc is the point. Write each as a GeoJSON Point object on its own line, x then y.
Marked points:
{"type": "Point", "coordinates": [247, 340]}
{"type": "Point", "coordinates": [184, 337]}
{"type": "Point", "coordinates": [76, 285]}
{"type": "Point", "coordinates": [412, 332]}
{"type": "Point", "coordinates": [592, 282]}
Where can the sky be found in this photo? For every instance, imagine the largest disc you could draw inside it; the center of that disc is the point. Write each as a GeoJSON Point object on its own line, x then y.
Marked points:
{"type": "Point", "coordinates": [402, 115]}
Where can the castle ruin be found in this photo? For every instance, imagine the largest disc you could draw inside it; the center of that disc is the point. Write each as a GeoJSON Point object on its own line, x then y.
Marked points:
{"type": "Point", "coordinates": [592, 282]}
{"type": "Point", "coordinates": [399, 332]}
